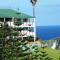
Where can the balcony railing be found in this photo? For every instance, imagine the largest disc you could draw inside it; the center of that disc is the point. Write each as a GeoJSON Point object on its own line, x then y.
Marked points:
{"type": "Point", "coordinates": [24, 24]}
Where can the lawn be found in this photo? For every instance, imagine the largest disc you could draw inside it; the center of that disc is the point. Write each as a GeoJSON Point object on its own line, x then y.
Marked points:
{"type": "Point", "coordinates": [55, 54]}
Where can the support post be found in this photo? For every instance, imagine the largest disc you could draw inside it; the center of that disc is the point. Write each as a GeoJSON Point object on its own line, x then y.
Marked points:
{"type": "Point", "coordinates": [28, 27]}
{"type": "Point", "coordinates": [22, 32]}
{"type": "Point", "coordinates": [13, 25]}
{"type": "Point", "coordinates": [4, 21]}
{"type": "Point", "coordinates": [13, 21]}
{"type": "Point", "coordinates": [34, 23]}
{"type": "Point", "coordinates": [34, 30]}
{"type": "Point", "coordinates": [33, 11]}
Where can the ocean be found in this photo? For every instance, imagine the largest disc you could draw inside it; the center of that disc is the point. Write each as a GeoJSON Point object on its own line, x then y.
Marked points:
{"type": "Point", "coordinates": [47, 32]}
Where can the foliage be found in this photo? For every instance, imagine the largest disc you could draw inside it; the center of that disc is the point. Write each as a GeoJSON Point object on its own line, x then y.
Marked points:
{"type": "Point", "coordinates": [18, 49]}
{"type": "Point", "coordinates": [4, 32]}
{"type": "Point", "coordinates": [29, 38]}
{"type": "Point", "coordinates": [17, 22]}
{"type": "Point", "coordinates": [41, 55]}
{"type": "Point", "coordinates": [11, 48]}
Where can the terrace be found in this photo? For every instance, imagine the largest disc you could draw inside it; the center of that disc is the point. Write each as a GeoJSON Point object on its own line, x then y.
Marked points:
{"type": "Point", "coordinates": [16, 19]}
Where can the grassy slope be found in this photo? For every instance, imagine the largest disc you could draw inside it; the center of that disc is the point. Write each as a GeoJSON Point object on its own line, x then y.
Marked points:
{"type": "Point", "coordinates": [53, 53]}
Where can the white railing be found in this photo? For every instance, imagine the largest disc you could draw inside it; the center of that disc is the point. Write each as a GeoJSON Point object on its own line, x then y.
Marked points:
{"type": "Point", "coordinates": [27, 24]}
{"type": "Point", "coordinates": [26, 33]}
{"type": "Point", "coordinates": [24, 24]}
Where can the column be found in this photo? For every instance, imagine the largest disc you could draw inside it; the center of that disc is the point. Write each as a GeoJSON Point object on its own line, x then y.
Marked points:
{"type": "Point", "coordinates": [22, 31]}
{"type": "Point", "coordinates": [13, 21]}
{"type": "Point", "coordinates": [4, 21]}
{"type": "Point", "coordinates": [28, 27]}
{"type": "Point", "coordinates": [34, 29]}
{"type": "Point", "coordinates": [10, 23]}
{"type": "Point", "coordinates": [13, 25]}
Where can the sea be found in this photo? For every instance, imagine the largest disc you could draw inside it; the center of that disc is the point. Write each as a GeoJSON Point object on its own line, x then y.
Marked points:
{"type": "Point", "coordinates": [47, 32]}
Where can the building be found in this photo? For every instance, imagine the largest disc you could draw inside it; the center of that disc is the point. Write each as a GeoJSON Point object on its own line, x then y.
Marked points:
{"type": "Point", "coordinates": [24, 21]}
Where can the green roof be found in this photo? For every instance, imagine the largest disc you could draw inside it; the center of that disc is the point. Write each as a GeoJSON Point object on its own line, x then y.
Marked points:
{"type": "Point", "coordinates": [9, 13]}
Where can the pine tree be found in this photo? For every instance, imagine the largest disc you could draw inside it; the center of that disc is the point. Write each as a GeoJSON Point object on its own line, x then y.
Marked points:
{"type": "Point", "coordinates": [41, 54]}
{"type": "Point", "coordinates": [4, 32]}
{"type": "Point", "coordinates": [11, 46]}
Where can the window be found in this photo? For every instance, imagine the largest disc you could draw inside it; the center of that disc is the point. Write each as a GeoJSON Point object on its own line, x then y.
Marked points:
{"type": "Point", "coordinates": [25, 20]}
{"type": "Point", "coordinates": [17, 22]}
{"type": "Point", "coordinates": [8, 19]}
{"type": "Point", "coordinates": [2, 19]}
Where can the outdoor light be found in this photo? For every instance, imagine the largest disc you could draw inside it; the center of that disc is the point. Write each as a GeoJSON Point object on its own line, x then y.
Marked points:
{"type": "Point", "coordinates": [33, 2]}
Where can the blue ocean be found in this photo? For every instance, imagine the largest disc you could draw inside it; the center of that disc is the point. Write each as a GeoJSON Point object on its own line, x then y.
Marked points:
{"type": "Point", "coordinates": [47, 32]}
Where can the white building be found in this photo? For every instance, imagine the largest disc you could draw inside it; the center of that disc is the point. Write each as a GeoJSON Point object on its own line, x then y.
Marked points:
{"type": "Point", "coordinates": [11, 17]}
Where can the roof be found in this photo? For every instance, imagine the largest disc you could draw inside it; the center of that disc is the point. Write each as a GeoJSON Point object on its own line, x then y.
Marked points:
{"type": "Point", "coordinates": [12, 13]}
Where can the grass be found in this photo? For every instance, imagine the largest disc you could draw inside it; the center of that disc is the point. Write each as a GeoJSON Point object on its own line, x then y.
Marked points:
{"type": "Point", "coordinates": [55, 54]}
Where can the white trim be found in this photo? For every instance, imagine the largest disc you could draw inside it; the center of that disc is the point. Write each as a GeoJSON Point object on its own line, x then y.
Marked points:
{"type": "Point", "coordinates": [34, 29]}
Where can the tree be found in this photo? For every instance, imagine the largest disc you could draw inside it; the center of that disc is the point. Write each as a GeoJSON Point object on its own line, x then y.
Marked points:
{"type": "Point", "coordinates": [41, 54]}
{"type": "Point", "coordinates": [4, 32]}
{"type": "Point", "coordinates": [11, 46]}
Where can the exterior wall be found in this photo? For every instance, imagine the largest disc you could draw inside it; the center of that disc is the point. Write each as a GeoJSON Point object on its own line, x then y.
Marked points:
{"type": "Point", "coordinates": [30, 23]}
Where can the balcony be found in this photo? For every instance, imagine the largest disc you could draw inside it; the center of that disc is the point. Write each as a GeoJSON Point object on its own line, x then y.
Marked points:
{"type": "Point", "coordinates": [26, 33]}
{"type": "Point", "coordinates": [24, 24]}
{"type": "Point", "coordinates": [27, 24]}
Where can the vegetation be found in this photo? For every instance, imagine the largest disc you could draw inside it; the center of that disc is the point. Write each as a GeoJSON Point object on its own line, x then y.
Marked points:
{"type": "Point", "coordinates": [14, 48]}
{"type": "Point", "coordinates": [17, 21]}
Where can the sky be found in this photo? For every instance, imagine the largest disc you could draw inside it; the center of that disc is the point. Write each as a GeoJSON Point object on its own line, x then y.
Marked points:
{"type": "Point", "coordinates": [47, 12]}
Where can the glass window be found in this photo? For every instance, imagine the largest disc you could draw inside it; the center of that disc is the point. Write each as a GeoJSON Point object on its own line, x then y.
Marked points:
{"type": "Point", "coordinates": [17, 22]}
{"type": "Point", "coordinates": [8, 19]}
{"type": "Point", "coordinates": [25, 20]}
{"type": "Point", "coordinates": [2, 19]}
